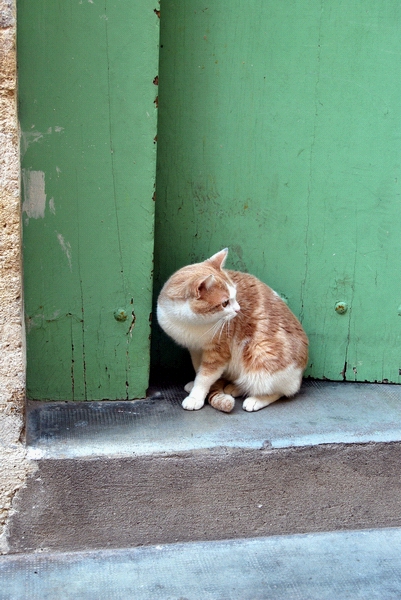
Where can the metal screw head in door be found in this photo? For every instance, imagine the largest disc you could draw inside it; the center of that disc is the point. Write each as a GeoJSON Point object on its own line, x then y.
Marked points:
{"type": "Point", "coordinates": [120, 314]}
{"type": "Point", "coordinates": [341, 308]}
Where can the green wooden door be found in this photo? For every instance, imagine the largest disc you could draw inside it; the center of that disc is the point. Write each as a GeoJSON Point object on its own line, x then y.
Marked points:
{"type": "Point", "coordinates": [279, 137]}
{"type": "Point", "coordinates": [88, 123]}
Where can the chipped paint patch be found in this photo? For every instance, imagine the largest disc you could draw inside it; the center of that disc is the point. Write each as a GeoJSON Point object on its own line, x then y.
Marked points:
{"type": "Point", "coordinates": [52, 207]}
{"type": "Point", "coordinates": [34, 194]}
{"type": "Point", "coordinates": [38, 320]}
{"type": "Point", "coordinates": [30, 137]}
{"type": "Point", "coordinates": [66, 247]}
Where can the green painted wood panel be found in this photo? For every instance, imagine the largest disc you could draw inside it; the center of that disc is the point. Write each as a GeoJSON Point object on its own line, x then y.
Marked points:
{"type": "Point", "coordinates": [279, 137]}
{"type": "Point", "coordinates": [88, 123]}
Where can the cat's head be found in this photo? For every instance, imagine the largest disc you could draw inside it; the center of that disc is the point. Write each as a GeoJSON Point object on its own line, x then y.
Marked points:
{"type": "Point", "coordinates": [203, 292]}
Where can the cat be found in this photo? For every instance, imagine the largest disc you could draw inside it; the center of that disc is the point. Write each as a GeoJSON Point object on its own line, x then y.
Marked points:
{"type": "Point", "coordinates": [242, 337]}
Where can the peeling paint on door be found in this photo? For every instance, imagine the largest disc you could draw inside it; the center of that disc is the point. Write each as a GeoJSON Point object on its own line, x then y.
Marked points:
{"type": "Point", "coordinates": [34, 204]}
{"type": "Point", "coordinates": [66, 248]}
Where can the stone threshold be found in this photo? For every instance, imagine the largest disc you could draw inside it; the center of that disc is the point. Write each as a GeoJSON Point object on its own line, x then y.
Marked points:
{"type": "Point", "coordinates": [322, 413]}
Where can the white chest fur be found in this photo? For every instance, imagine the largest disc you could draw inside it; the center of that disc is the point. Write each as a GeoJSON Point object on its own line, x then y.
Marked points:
{"type": "Point", "coordinates": [180, 323]}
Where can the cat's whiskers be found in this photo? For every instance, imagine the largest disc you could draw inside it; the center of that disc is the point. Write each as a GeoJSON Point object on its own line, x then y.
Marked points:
{"type": "Point", "coordinates": [226, 324]}
{"type": "Point", "coordinates": [214, 326]}
{"type": "Point", "coordinates": [222, 327]}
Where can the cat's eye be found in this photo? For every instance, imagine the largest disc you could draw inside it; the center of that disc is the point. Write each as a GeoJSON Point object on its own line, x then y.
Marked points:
{"type": "Point", "coordinates": [225, 303]}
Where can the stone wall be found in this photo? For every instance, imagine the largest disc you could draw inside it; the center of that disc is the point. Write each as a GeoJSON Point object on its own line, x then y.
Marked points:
{"type": "Point", "coordinates": [14, 467]}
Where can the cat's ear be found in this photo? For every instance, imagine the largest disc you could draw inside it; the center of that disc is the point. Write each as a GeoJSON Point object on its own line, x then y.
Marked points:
{"type": "Point", "coordinates": [219, 259]}
{"type": "Point", "coordinates": [204, 285]}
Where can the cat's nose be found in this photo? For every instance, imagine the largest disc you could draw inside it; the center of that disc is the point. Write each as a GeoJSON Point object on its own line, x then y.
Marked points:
{"type": "Point", "coordinates": [237, 307]}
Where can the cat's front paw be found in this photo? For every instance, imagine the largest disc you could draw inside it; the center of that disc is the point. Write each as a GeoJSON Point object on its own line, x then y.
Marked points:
{"type": "Point", "coordinates": [191, 403]}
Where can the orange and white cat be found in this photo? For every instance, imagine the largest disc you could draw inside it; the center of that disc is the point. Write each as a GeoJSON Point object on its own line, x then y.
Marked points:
{"type": "Point", "coordinates": [242, 337]}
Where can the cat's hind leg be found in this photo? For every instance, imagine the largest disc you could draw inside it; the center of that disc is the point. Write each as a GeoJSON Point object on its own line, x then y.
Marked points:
{"type": "Point", "coordinates": [254, 403]}
{"type": "Point", "coordinates": [219, 399]}
{"type": "Point", "coordinates": [233, 390]}
{"type": "Point", "coordinates": [188, 387]}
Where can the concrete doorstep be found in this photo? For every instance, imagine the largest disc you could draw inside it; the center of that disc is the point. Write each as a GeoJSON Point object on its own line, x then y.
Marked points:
{"type": "Point", "coordinates": [351, 565]}
{"type": "Point", "coordinates": [322, 413]}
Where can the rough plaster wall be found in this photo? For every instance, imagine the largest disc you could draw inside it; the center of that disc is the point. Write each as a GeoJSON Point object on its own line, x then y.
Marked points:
{"type": "Point", "coordinates": [14, 466]}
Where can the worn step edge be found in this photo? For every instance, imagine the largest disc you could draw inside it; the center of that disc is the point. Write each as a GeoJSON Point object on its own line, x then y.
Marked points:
{"type": "Point", "coordinates": [325, 566]}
